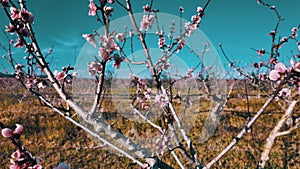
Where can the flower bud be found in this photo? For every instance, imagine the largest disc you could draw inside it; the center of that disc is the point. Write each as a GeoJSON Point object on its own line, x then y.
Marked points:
{"type": "Point", "coordinates": [7, 133]}
{"type": "Point", "coordinates": [19, 129]}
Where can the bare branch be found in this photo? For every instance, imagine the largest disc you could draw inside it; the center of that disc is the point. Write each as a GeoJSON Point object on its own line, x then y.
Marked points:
{"type": "Point", "coordinates": [242, 133]}
{"type": "Point", "coordinates": [275, 133]}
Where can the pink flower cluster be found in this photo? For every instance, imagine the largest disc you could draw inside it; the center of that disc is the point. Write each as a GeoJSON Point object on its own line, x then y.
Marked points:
{"type": "Point", "coordinates": [144, 93]}
{"type": "Point", "coordinates": [162, 100]}
{"type": "Point", "coordinates": [92, 8]}
{"type": "Point", "coordinates": [23, 15]}
{"type": "Point", "coordinates": [20, 161]}
{"type": "Point", "coordinates": [94, 68]}
{"type": "Point", "coordinates": [164, 64]}
{"type": "Point", "coordinates": [20, 19]}
{"type": "Point", "coordinates": [147, 22]}
{"type": "Point", "coordinates": [261, 52]}
{"type": "Point", "coordinates": [108, 46]}
{"type": "Point", "coordinates": [34, 82]}
{"type": "Point", "coordinates": [280, 71]}
{"type": "Point", "coordinates": [90, 38]}
{"type": "Point", "coordinates": [64, 75]}
{"type": "Point", "coordinates": [163, 142]}
{"type": "Point", "coordinates": [21, 158]}
{"type": "Point", "coordinates": [161, 40]}
{"type": "Point", "coordinates": [108, 10]}
{"type": "Point", "coordinates": [146, 8]}
{"type": "Point", "coordinates": [294, 32]}
{"type": "Point", "coordinates": [19, 70]}
{"type": "Point", "coordinates": [196, 19]}
{"type": "Point", "coordinates": [60, 75]}
{"type": "Point", "coordinates": [190, 73]}
{"type": "Point", "coordinates": [118, 60]}
{"type": "Point", "coordinates": [180, 45]}
{"type": "Point", "coordinates": [9, 133]}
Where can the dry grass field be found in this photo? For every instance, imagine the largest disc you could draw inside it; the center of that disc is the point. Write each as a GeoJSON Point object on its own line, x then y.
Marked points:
{"type": "Point", "coordinates": [53, 139]}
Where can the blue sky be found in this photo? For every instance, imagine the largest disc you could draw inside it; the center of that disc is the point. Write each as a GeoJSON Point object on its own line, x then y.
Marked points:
{"type": "Point", "coordinates": [238, 25]}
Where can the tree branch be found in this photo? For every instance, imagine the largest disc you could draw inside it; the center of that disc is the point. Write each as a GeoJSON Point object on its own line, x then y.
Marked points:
{"type": "Point", "coordinates": [275, 133]}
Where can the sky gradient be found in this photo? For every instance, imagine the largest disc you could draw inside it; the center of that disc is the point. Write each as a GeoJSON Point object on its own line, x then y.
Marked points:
{"type": "Point", "coordinates": [238, 25]}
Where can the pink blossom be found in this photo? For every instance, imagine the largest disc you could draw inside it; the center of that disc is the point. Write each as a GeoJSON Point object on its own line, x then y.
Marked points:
{"type": "Point", "coordinates": [161, 40]}
{"type": "Point", "coordinates": [261, 52]}
{"type": "Point", "coordinates": [42, 85]}
{"type": "Point", "coordinates": [93, 8]}
{"type": "Point", "coordinates": [74, 74]}
{"type": "Point", "coordinates": [108, 10]}
{"type": "Point", "coordinates": [181, 9]}
{"type": "Point", "coordinates": [120, 37]}
{"type": "Point", "coordinates": [180, 45]}
{"type": "Point", "coordinates": [16, 155]}
{"type": "Point", "coordinates": [284, 39]}
{"type": "Point", "coordinates": [111, 1]}
{"type": "Point", "coordinates": [94, 67]}
{"type": "Point", "coordinates": [258, 2]}
{"type": "Point", "coordinates": [161, 99]}
{"type": "Point", "coordinates": [147, 22]}
{"type": "Point", "coordinates": [118, 61]}
{"type": "Point", "coordinates": [189, 28]}
{"type": "Point", "coordinates": [280, 67]}
{"type": "Point", "coordinates": [294, 29]}
{"type": "Point", "coordinates": [24, 32]}
{"type": "Point", "coordinates": [19, 129]}
{"type": "Point", "coordinates": [90, 38]}
{"type": "Point", "coordinates": [104, 53]}
{"type": "Point", "coordinates": [274, 75]}
{"type": "Point", "coordinates": [190, 73]}
{"type": "Point", "coordinates": [19, 70]}
{"type": "Point", "coordinates": [14, 13]}
{"type": "Point", "coordinates": [262, 77]}
{"type": "Point", "coordinates": [108, 43]}
{"type": "Point", "coordinates": [7, 133]}
{"type": "Point", "coordinates": [60, 75]}
{"type": "Point", "coordinates": [272, 33]}
{"type": "Point", "coordinates": [295, 66]}
{"type": "Point", "coordinates": [26, 16]}
{"type": "Point", "coordinates": [164, 65]}
{"type": "Point", "coordinates": [294, 32]}
{"type": "Point", "coordinates": [294, 35]}
{"type": "Point", "coordinates": [107, 47]}
{"type": "Point", "coordinates": [285, 92]}
{"type": "Point", "coordinates": [36, 167]}
{"type": "Point", "coordinates": [146, 8]}
{"type": "Point", "coordinates": [200, 11]}
{"type": "Point", "coordinates": [10, 29]}
{"type": "Point", "coordinates": [19, 67]}
{"type": "Point", "coordinates": [196, 19]}
{"type": "Point", "coordinates": [273, 61]}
